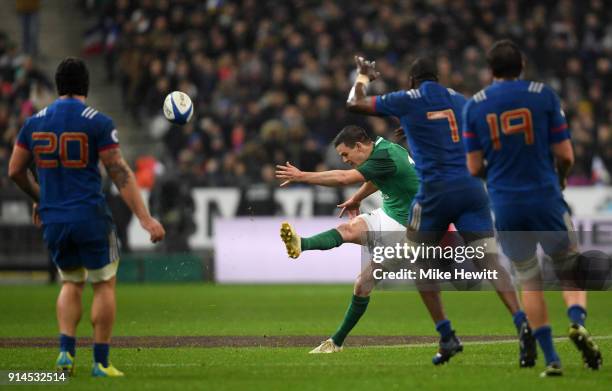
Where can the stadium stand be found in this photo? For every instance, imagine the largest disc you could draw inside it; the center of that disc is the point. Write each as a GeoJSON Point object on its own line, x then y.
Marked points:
{"type": "Point", "coordinates": [270, 79]}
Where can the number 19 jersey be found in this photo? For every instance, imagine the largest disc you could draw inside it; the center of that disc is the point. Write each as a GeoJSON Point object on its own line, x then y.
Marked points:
{"type": "Point", "coordinates": [65, 139]}
{"type": "Point", "coordinates": [514, 123]}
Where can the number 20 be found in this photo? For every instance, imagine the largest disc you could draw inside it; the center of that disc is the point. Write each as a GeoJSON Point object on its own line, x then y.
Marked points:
{"type": "Point", "coordinates": [523, 124]}
{"type": "Point", "coordinates": [51, 147]}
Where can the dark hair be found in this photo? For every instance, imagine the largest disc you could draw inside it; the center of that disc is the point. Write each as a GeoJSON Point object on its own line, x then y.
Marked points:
{"type": "Point", "coordinates": [72, 77]}
{"type": "Point", "coordinates": [505, 59]}
{"type": "Point", "coordinates": [350, 135]}
{"type": "Point", "coordinates": [423, 69]}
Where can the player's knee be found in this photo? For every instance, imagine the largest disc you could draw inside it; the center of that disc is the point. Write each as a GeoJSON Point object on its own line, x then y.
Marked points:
{"type": "Point", "coordinates": [565, 265]}
{"type": "Point", "coordinates": [74, 287]}
{"type": "Point", "coordinates": [487, 246]}
{"type": "Point", "coordinates": [348, 232]}
{"type": "Point", "coordinates": [362, 288]}
{"type": "Point", "coordinates": [527, 270]}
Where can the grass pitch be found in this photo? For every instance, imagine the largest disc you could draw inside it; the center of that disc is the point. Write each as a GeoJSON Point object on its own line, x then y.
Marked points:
{"type": "Point", "coordinates": [198, 309]}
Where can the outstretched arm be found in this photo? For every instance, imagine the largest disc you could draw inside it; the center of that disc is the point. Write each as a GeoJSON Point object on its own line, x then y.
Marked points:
{"type": "Point", "coordinates": [333, 178]}
{"type": "Point", "coordinates": [124, 179]}
{"type": "Point", "coordinates": [19, 173]}
{"type": "Point", "coordinates": [358, 99]}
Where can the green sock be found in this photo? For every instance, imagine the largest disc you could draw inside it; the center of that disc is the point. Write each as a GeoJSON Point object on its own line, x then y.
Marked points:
{"type": "Point", "coordinates": [357, 308]}
{"type": "Point", "coordinates": [323, 241]}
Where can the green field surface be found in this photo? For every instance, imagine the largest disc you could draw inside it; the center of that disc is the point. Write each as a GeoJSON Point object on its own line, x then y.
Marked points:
{"type": "Point", "coordinates": [200, 309]}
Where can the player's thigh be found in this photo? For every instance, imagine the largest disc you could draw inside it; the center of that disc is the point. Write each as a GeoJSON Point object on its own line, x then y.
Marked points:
{"type": "Point", "coordinates": [556, 233]}
{"type": "Point", "coordinates": [429, 218]}
{"type": "Point", "coordinates": [99, 249]}
{"type": "Point", "coordinates": [512, 224]}
{"type": "Point", "coordinates": [474, 217]}
{"type": "Point", "coordinates": [64, 252]}
{"type": "Point", "coordinates": [382, 229]}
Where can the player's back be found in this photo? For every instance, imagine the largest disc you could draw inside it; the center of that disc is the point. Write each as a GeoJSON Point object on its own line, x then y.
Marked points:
{"type": "Point", "coordinates": [65, 139]}
{"type": "Point", "coordinates": [430, 116]}
{"type": "Point", "coordinates": [514, 122]}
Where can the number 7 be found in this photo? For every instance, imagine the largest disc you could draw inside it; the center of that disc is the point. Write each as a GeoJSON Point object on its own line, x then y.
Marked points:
{"type": "Point", "coordinates": [449, 115]}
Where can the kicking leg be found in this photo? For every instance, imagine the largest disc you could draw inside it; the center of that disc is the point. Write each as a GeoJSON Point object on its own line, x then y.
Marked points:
{"type": "Point", "coordinates": [351, 232]}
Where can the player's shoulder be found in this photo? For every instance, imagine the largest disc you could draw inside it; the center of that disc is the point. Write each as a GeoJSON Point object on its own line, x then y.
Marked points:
{"type": "Point", "coordinates": [403, 94]}
{"type": "Point", "coordinates": [38, 116]}
{"type": "Point", "coordinates": [381, 147]}
{"type": "Point", "coordinates": [35, 119]}
{"type": "Point", "coordinates": [90, 113]}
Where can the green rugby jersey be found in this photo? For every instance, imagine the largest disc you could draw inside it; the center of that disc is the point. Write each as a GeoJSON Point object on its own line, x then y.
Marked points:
{"type": "Point", "coordinates": [390, 168]}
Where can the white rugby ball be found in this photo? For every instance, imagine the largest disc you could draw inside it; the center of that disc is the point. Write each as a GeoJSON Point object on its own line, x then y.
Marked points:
{"type": "Point", "coordinates": [178, 108]}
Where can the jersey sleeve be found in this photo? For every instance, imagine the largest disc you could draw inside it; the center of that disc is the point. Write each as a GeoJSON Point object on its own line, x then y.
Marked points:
{"type": "Point", "coordinates": [391, 104]}
{"type": "Point", "coordinates": [378, 165]}
{"type": "Point", "coordinates": [470, 138]}
{"type": "Point", "coordinates": [558, 129]}
{"type": "Point", "coordinates": [24, 137]}
{"type": "Point", "coordinates": [107, 136]}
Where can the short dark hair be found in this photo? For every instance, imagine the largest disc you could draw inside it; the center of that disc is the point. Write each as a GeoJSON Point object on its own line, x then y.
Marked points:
{"type": "Point", "coordinates": [423, 69]}
{"type": "Point", "coordinates": [72, 77]}
{"type": "Point", "coordinates": [352, 134]}
{"type": "Point", "coordinates": [505, 59]}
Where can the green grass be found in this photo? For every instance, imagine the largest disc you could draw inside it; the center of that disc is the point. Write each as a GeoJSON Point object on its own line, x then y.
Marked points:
{"type": "Point", "coordinates": [298, 310]}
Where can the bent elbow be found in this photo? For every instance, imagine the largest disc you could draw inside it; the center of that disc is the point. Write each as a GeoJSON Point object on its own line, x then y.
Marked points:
{"type": "Point", "coordinates": [13, 173]}
{"type": "Point", "coordinates": [474, 169]}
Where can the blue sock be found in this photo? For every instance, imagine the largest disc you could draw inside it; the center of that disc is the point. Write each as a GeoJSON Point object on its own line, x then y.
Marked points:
{"type": "Point", "coordinates": [444, 328]}
{"type": "Point", "coordinates": [519, 318]}
{"type": "Point", "coordinates": [100, 351]}
{"type": "Point", "coordinates": [67, 344]}
{"type": "Point", "coordinates": [544, 337]}
{"type": "Point", "coordinates": [577, 314]}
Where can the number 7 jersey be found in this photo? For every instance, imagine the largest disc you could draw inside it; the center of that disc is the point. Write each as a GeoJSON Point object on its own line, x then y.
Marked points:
{"type": "Point", "coordinates": [430, 116]}
{"type": "Point", "coordinates": [65, 139]}
{"type": "Point", "coordinates": [514, 123]}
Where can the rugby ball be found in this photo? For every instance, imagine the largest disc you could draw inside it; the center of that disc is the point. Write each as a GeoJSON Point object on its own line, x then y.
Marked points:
{"type": "Point", "coordinates": [178, 108]}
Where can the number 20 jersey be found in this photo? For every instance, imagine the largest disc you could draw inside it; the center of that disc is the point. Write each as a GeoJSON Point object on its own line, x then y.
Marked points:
{"type": "Point", "coordinates": [65, 139]}
{"type": "Point", "coordinates": [515, 123]}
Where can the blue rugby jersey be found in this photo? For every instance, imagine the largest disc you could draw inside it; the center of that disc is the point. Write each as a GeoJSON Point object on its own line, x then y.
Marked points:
{"type": "Point", "coordinates": [514, 123]}
{"type": "Point", "coordinates": [431, 119]}
{"type": "Point", "coordinates": [65, 139]}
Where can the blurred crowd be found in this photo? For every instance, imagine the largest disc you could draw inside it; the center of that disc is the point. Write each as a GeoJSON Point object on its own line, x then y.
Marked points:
{"type": "Point", "coordinates": [24, 89]}
{"type": "Point", "coordinates": [269, 79]}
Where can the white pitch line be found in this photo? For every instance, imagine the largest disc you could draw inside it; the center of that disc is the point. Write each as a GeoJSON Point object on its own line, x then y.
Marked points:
{"type": "Point", "coordinates": [493, 342]}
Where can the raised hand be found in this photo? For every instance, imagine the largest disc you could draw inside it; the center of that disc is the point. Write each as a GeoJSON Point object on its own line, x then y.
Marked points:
{"type": "Point", "coordinates": [367, 68]}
